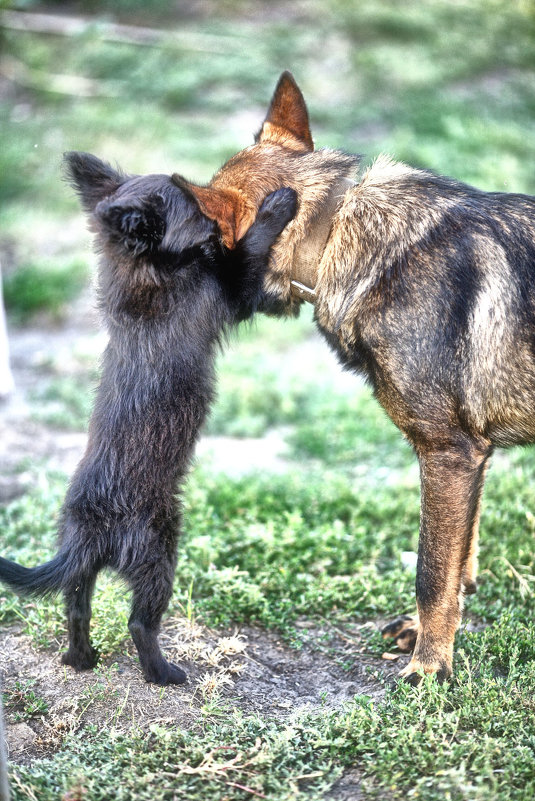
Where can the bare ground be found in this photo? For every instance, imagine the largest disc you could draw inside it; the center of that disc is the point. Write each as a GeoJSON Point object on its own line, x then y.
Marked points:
{"type": "Point", "coordinates": [248, 669]}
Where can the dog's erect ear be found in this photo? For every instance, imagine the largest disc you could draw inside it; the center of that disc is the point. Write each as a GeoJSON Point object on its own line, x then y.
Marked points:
{"type": "Point", "coordinates": [92, 178]}
{"type": "Point", "coordinates": [229, 207]}
{"type": "Point", "coordinates": [286, 122]}
{"type": "Point", "coordinates": [138, 229]}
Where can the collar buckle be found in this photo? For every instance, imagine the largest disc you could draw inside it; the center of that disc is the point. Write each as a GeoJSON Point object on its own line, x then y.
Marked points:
{"type": "Point", "coordinates": [303, 292]}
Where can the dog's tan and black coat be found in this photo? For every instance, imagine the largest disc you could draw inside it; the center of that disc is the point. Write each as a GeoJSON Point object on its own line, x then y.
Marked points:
{"type": "Point", "coordinates": [427, 287]}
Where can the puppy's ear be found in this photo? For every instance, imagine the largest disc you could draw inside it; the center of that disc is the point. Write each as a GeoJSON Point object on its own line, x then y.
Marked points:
{"type": "Point", "coordinates": [229, 207]}
{"type": "Point", "coordinates": [286, 122]}
{"type": "Point", "coordinates": [138, 229]}
{"type": "Point", "coordinates": [92, 178]}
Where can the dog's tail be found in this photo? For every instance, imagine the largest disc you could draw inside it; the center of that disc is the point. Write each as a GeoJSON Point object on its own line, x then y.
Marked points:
{"type": "Point", "coordinates": [40, 580]}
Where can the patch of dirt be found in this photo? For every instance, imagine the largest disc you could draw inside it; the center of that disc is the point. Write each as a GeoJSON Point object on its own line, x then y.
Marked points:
{"type": "Point", "coordinates": [347, 788]}
{"type": "Point", "coordinates": [279, 679]}
{"type": "Point", "coordinates": [112, 694]}
{"type": "Point", "coordinates": [39, 353]}
{"type": "Point", "coordinates": [248, 669]}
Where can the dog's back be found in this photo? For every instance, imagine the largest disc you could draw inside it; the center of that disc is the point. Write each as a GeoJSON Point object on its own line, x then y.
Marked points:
{"type": "Point", "coordinates": [437, 280]}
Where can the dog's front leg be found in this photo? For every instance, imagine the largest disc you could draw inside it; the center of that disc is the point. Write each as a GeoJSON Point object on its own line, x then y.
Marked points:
{"type": "Point", "coordinates": [451, 481]}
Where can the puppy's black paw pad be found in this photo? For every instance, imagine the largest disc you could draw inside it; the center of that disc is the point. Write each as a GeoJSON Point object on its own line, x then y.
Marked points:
{"type": "Point", "coordinates": [176, 674]}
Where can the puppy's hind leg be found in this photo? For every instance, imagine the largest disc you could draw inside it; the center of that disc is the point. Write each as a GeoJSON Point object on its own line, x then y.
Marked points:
{"type": "Point", "coordinates": [80, 655]}
{"type": "Point", "coordinates": [152, 585]}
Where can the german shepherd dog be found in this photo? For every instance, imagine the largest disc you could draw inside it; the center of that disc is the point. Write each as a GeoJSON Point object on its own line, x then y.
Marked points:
{"type": "Point", "coordinates": [169, 289]}
{"type": "Point", "coordinates": [426, 286]}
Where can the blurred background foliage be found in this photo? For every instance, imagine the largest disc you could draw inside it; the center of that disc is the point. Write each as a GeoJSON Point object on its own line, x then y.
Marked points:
{"type": "Point", "coordinates": [162, 86]}
{"type": "Point", "coordinates": [446, 84]}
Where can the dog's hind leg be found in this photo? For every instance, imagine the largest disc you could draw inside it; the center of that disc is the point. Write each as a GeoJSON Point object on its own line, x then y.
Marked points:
{"type": "Point", "coordinates": [471, 563]}
{"type": "Point", "coordinates": [452, 480]}
{"type": "Point", "coordinates": [152, 585]}
{"type": "Point", "coordinates": [404, 629]}
{"type": "Point", "coordinates": [80, 655]}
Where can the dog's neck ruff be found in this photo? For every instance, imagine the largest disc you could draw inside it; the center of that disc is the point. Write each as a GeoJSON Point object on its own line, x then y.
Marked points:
{"type": "Point", "coordinates": [308, 255]}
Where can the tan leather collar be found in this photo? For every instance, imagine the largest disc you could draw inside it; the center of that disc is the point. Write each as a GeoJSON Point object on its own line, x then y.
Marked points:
{"type": "Point", "coordinates": [308, 256]}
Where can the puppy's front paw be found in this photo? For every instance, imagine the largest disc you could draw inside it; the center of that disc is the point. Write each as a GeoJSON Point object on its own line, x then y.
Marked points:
{"type": "Point", "coordinates": [277, 210]}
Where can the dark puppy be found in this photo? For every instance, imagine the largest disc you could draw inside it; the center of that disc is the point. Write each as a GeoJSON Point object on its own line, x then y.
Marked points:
{"type": "Point", "coordinates": [427, 287]}
{"type": "Point", "coordinates": [168, 290]}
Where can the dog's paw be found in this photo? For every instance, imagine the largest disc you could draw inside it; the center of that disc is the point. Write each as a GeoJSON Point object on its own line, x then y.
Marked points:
{"type": "Point", "coordinates": [81, 659]}
{"type": "Point", "coordinates": [165, 673]}
{"type": "Point", "coordinates": [469, 586]}
{"type": "Point", "coordinates": [403, 630]}
{"type": "Point", "coordinates": [175, 674]}
{"type": "Point", "coordinates": [274, 214]}
{"type": "Point", "coordinates": [416, 670]}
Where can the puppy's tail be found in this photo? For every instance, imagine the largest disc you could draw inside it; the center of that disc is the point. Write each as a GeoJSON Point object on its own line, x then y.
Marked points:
{"type": "Point", "coordinates": [41, 580]}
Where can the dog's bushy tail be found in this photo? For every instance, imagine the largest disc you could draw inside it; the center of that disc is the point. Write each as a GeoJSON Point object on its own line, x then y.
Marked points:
{"type": "Point", "coordinates": [41, 580]}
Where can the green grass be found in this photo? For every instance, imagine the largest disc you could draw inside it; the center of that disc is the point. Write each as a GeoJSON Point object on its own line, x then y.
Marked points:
{"type": "Point", "coordinates": [23, 703]}
{"type": "Point", "coordinates": [306, 544]}
{"type": "Point", "coordinates": [431, 743]}
{"type": "Point", "coordinates": [44, 286]}
{"type": "Point", "coordinates": [319, 545]}
{"type": "Point", "coordinates": [446, 85]}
